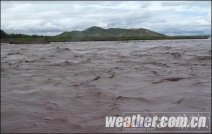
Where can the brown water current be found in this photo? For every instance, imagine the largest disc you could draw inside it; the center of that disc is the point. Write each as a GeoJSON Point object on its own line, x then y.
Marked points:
{"type": "Point", "coordinates": [71, 87]}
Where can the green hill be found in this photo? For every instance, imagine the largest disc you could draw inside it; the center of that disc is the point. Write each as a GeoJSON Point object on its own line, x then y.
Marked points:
{"type": "Point", "coordinates": [97, 33]}
{"type": "Point", "coordinates": [93, 34]}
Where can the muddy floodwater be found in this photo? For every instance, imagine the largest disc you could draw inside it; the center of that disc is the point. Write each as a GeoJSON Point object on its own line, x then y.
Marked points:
{"type": "Point", "coordinates": [71, 87]}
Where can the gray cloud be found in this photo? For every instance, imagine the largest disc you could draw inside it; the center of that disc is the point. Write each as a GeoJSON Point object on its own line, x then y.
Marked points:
{"type": "Point", "coordinates": [54, 17]}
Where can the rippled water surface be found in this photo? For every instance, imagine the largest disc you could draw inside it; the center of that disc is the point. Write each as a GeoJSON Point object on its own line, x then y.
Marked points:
{"type": "Point", "coordinates": [71, 87]}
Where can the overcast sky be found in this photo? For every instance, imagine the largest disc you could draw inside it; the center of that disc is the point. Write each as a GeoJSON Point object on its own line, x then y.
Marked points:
{"type": "Point", "coordinates": [54, 17]}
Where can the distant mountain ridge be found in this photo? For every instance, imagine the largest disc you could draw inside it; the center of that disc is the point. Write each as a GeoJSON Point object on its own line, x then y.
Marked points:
{"type": "Point", "coordinates": [93, 34]}
{"type": "Point", "coordinates": [111, 33]}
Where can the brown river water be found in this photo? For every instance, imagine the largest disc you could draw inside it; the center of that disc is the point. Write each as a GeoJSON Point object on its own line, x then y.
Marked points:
{"type": "Point", "coordinates": [71, 87]}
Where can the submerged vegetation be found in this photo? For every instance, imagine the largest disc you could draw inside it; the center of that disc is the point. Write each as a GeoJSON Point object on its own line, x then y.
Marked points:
{"type": "Point", "coordinates": [92, 34]}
